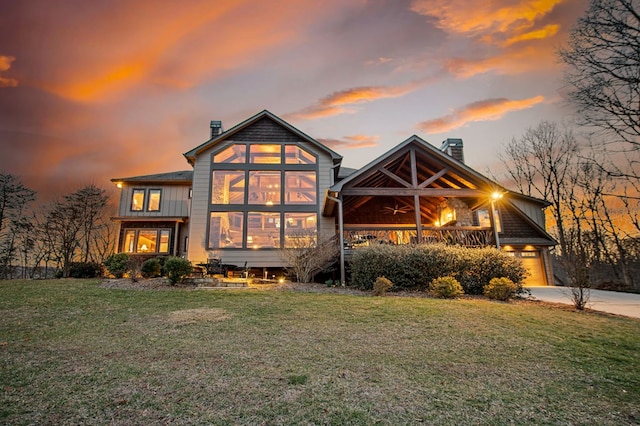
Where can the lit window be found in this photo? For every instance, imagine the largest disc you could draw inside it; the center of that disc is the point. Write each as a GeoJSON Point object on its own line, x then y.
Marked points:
{"type": "Point", "coordinates": [300, 229]}
{"type": "Point", "coordinates": [529, 254]}
{"type": "Point", "coordinates": [129, 241]}
{"type": "Point", "coordinates": [484, 219]}
{"type": "Point", "coordinates": [264, 187]}
{"type": "Point", "coordinates": [154, 200]}
{"type": "Point", "coordinates": [146, 241]}
{"type": "Point", "coordinates": [225, 229]}
{"type": "Point", "coordinates": [296, 155]}
{"type": "Point", "coordinates": [137, 200]}
{"type": "Point", "coordinates": [234, 154]}
{"type": "Point", "coordinates": [227, 187]}
{"type": "Point", "coordinates": [265, 153]}
{"type": "Point", "coordinates": [263, 230]}
{"type": "Point", "coordinates": [300, 187]}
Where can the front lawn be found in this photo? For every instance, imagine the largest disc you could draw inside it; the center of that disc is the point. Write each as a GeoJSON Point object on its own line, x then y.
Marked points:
{"type": "Point", "coordinates": [72, 352]}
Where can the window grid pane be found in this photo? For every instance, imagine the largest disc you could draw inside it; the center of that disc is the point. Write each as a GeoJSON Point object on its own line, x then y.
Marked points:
{"type": "Point", "coordinates": [264, 187]}
{"type": "Point", "coordinates": [147, 241]}
{"type": "Point", "coordinates": [300, 188]}
{"type": "Point", "coordinates": [227, 187]}
{"type": "Point", "coordinates": [225, 229]}
{"type": "Point", "coordinates": [300, 230]}
{"type": "Point", "coordinates": [236, 153]}
{"type": "Point", "coordinates": [296, 155]}
{"type": "Point", "coordinates": [265, 154]}
{"type": "Point", "coordinates": [263, 230]}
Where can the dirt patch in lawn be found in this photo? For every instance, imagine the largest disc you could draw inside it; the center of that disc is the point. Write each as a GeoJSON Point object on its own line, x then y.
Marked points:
{"type": "Point", "coordinates": [193, 316]}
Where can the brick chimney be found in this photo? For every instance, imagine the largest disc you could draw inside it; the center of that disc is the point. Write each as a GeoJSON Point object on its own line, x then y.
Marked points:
{"type": "Point", "coordinates": [454, 148]}
{"type": "Point", "coordinates": [216, 128]}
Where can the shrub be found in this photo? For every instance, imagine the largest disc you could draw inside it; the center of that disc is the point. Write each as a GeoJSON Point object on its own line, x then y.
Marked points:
{"type": "Point", "coordinates": [445, 288]}
{"type": "Point", "coordinates": [85, 270]}
{"type": "Point", "coordinates": [151, 268]}
{"type": "Point", "coordinates": [501, 289]}
{"type": "Point", "coordinates": [381, 286]}
{"type": "Point", "coordinates": [176, 268]}
{"type": "Point", "coordinates": [413, 267]}
{"type": "Point", "coordinates": [117, 264]}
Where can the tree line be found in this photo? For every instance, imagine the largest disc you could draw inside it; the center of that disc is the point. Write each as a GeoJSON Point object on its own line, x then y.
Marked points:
{"type": "Point", "coordinates": [589, 172]}
{"type": "Point", "coordinates": [38, 241]}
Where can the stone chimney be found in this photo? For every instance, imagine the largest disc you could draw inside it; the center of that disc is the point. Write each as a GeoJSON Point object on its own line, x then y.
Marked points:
{"type": "Point", "coordinates": [216, 128]}
{"type": "Point", "coordinates": [454, 148]}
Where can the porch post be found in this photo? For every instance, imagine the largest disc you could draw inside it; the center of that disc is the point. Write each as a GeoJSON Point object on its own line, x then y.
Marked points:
{"type": "Point", "coordinates": [340, 237]}
{"type": "Point", "coordinates": [496, 196]}
{"type": "Point", "coordinates": [176, 240]}
{"type": "Point", "coordinates": [416, 207]}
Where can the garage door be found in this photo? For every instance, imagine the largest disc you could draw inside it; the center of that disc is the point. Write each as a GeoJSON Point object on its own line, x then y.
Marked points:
{"type": "Point", "coordinates": [533, 262]}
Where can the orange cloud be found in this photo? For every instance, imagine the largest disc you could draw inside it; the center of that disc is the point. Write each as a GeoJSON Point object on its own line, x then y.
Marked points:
{"type": "Point", "coordinates": [350, 142]}
{"type": "Point", "coordinates": [546, 32]}
{"type": "Point", "coordinates": [486, 110]}
{"type": "Point", "coordinates": [337, 102]}
{"type": "Point", "coordinates": [5, 64]}
{"type": "Point", "coordinates": [484, 17]}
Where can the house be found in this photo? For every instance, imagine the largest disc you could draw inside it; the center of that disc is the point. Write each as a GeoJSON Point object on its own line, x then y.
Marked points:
{"type": "Point", "coordinates": [263, 184]}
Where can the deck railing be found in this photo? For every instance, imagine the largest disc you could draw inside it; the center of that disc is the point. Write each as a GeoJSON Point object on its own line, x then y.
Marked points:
{"type": "Point", "coordinates": [468, 236]}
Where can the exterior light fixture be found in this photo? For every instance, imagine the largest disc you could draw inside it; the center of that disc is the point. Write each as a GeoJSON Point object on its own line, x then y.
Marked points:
{"type": "Point", "coordinates": [119, 185]}
{"type": "Point", "coordinates": [496, 196]}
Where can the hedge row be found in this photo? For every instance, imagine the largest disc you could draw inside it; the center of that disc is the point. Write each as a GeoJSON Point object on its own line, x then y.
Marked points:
{"type": "Point", "coordinates": [413, 267]}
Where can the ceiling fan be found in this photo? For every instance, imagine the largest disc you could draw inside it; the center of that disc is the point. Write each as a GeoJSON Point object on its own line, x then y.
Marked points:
{"type": "Point", "coordinates": [395, 210]}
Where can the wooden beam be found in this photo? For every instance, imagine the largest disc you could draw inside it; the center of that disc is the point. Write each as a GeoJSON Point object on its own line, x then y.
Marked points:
{"type": "Point", "coordinates": [394, 177]}
{"type": "Point", "coordinates": [423, 192]}
{"type": "Point", "coordinates": [433, 178]}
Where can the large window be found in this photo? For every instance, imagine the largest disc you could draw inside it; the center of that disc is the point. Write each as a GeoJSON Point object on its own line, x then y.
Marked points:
{"type": "Point", "coordinates": [263, 196]}
{"type": "Point", "coordinates": [144, 241]}
{"type": "Point", "coordinates": [264, 187]}
{"type": "Point", "coordinates": [484, 218]}
{"type": "Point", "coordinates": [227, 187]}
{"type": "Point", "coordinates": [225, 229]}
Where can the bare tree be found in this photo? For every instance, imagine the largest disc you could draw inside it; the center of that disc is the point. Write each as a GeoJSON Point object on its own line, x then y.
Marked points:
{"type": "Point", "coordinates": [603, 75]}
{"type": "Point", "coordinates": [306, 254]}
{"type": "Point", "coordinates": [15, 199]}
{"type": "Point", "coordinates": [71, 223]}
{"type": "Point", "coordinates": [541, 164]}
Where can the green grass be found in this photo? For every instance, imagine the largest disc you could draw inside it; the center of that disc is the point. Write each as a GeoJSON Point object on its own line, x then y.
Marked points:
{"type": "Point", "coordinates": [74, 353]}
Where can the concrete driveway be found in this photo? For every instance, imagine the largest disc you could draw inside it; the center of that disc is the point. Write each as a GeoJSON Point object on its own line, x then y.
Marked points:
{"type": "Point", "coordinates": [627, 304]}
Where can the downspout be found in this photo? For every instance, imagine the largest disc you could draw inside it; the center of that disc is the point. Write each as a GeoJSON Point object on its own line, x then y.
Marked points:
{"type": "Point", "coordinates": [341, 235]}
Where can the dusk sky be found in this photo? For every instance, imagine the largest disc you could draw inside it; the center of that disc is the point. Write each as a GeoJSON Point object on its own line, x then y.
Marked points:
{"type": "Point", "coordinates": [92, 90]}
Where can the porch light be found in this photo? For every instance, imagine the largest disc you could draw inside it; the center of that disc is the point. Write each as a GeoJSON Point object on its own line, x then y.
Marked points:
{"type": "Point", "coordinates": [119, 185]}
{"type": "Point", "coordinates": [436, 223]}
{"type": "Point", "coordinates": [496, 196]}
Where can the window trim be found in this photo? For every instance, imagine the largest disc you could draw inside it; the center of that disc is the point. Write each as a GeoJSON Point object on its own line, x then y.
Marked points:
{"type": "Point", "coordinates": [144, 199]}
{"type": "Point", "coordinates": [148, 200]}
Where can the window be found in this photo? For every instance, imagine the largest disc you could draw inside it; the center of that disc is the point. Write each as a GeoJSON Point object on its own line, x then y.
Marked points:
{"type": "Point", "coordinates": [296, 155]}
{"type": "Point", "coordinates": [225, 229]}
{"type": "Point", "coordinates": [300, 229]}
{"type": "Point", "coordinates": [146, 241]}
{"type": "Point", "coordinates": [234, 154]}
{"type": "Point", "coordinates": [263, 230]}
{"type": "Point", "coordinates": [300, 188]}
{"type": "Point", "coordinates": [227, 187]}
{"type": "Point", "coordinates": [154, 200]}
{"type": "Point", "coordinates": [137, 200]}
{"type": "Point", "coordinates": [485, 220]}
{"type": "Point", "coordinates": [265, 153]}
{"type": "Point", "coordinates": [264, 187]}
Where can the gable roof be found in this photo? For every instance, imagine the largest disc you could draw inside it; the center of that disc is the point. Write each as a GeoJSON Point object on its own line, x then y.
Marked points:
{"type": "Point", "coordinates": [192, 154]}
{"type": "Point", "coordinates": [182, 176]}
{"type": "Point", "coordinates": [432, 151]}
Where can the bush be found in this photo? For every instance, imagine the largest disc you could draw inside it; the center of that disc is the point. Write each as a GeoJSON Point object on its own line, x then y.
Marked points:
{"type": "Point", "coordinates": [501, 289]}
{"type": "Point", "coordinates": [176, 268]}
{"type": "Point", "coordinates": [381, 286]}
{"type": "Point", "coordinates": [117, 264]}
{"type": "Point", "coordinates": [85, 270]}
{"type": "Point", "coordinates": [413, 267]}
{"type": "Point", "coordinates": [151, 268]}
{"type": "Point", "coordinates": [445, 288]}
